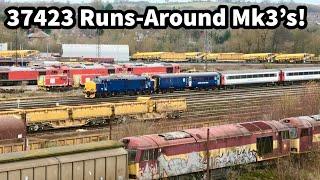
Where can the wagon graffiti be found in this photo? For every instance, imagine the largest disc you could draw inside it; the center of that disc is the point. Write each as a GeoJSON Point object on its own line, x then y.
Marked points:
{"type": "Point", "coordinates": [234, 157]}
{"type": "Point", "coordinates": [194, 162]}
{"type": "Point", "coordinates": [173, 167]}
{"type": "Point", "coordinates": [148, 172]}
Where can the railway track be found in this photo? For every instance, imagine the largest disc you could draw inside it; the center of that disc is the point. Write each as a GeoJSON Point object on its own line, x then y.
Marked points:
{"type": "Point", "coordinates": [190, 95]}
{"type": "Point", "coordinates": [205, 111]}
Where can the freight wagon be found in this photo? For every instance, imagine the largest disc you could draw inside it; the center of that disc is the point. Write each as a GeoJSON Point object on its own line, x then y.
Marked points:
{"type": "Point", "coordinates": [18, 75]}
{"type": "Point", "coordinates": [259, 57]}
{"type": "Point", "coordinates": [293, 58]}
{"type": "Point", "coordinates": [148, 56]}
{"type": "Point", "coordinates": [224, 57]}
{"type": "Point", "coordinates": [194, 56]}
{"type": "Point", "coordinates": [19, 53]}
{"type": "Point", "coordinates": [99, 114]}
{"type": "Point", "coordinates": [173, 57]}
{"type": "Point", "coordinates": [103, 160]}
{"type": "Point", "coordinates": [13, 137]}
{"type": "Point", "coordinates": [24, 144]}
{"type": "Point", "coordinates": [99, 60]}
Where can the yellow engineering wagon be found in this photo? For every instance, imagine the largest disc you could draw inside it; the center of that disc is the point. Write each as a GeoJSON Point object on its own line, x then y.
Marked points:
{"type": "Point", "coordinates": [146, 56]}
{"type": "Point", "coordinates": [144, 108]}
{"type": "Point", "coordinates": [173, 57]}
{"type": "Point", "coordinates": [293, 58]}
{"type": "Point", "coordinates": [19, 53]}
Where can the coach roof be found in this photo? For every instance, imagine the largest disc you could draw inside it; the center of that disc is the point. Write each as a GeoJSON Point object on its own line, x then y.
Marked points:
{"type": "Point", "coordinates": [253, 71]}
{"type": "Point", "coordinates": [187, 74]}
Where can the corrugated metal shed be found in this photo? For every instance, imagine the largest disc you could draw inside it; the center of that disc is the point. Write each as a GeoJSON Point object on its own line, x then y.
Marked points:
{"type": "Point", "coordinates": [120, 53]}
{"type": "Point", "coordinates": [3, 46]}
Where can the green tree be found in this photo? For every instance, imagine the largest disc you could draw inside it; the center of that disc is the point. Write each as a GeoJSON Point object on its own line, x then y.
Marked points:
{"type": "Point", "coordinates": [108, 7]}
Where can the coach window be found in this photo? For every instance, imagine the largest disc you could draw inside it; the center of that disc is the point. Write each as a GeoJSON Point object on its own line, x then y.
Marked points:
{"type": "Point", "coordinates": [249, 76]}
{"type": "Point", "coordinates": [243, 76]}
{"type": "Point", "coordinates": [111, 71]}
{"type": "Point", "coordinates": [264, 145]}
{"type": "Point", "coordinates": [3, 75]}
{"type": "Point", "coordinates": [293, 133]}
{"type": "Point", "coordinates": [300, 73]}
{"type": "Point", "coordinates": [255, 76]}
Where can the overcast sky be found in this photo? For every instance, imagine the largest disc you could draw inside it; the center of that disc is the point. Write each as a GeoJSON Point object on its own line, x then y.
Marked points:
{"type": "Point", "coordinates": [158, 1]}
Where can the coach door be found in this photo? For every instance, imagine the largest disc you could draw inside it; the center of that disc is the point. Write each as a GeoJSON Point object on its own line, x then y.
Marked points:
{"type": "Point", "coordinates": [189, 81]}
{"type": "Point", "coordinates": [281, 76]}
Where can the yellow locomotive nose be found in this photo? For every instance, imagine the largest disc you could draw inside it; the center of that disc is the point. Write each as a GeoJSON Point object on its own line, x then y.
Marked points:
{"type": "Point", "coordinates": [90, 89]}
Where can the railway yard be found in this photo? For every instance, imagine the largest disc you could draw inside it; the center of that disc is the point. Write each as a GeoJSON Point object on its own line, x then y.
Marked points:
{"type": "Point", "coordinates": [96, 132]}
{"type": "Point", "coordinates": [116, 90]}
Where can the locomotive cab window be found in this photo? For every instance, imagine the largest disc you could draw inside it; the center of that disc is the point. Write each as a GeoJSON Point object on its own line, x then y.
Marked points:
{"type": "Point", "coordinates": [264, 145]}
{"type": "Point", "coordinates": [132, 156]}
{"type": "Point", "coordinates": [151, 154]}
{"type": "Point", "coordinates": [284, 134]}
{"type": "Point", "coordinates": [293, 133]}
